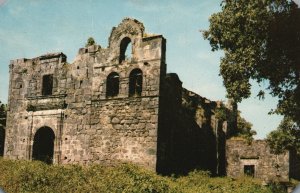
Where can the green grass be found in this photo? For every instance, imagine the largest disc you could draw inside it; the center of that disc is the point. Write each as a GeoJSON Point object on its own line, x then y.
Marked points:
{"type": "Point", "coordinates": [31, 176]}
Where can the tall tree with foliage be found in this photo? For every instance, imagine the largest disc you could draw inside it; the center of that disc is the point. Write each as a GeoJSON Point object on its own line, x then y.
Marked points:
{"type": "Point", "coordinates": [242, 129]}
{"type": "Point", "coordinates": [286, 137]}
{"type": "Point", "coordinates": [261, 41]}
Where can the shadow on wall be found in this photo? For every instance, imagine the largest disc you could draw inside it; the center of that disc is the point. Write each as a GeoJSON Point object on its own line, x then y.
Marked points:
{"type": "Point", "coordinates": [2, 139]}
{"type": "Point", "coordinates": [183, 145]}
{"type": "Point", "coordinates": [294, 166]}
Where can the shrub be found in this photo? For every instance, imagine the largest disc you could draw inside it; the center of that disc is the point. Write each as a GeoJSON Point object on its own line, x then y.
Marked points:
{"type": "Point", "coordinates": [35, 176]}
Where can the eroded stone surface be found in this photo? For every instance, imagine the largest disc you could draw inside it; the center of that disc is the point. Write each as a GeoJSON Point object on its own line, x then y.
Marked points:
{"type": "Point", "coordinates": [267, 166]}
{"type": "Point", "coordinates": [158, 124]}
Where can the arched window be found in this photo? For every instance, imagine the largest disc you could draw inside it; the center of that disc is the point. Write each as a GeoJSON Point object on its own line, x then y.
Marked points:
{"type": "Point", "coordinates": [135, 82]}
{"type": "Point", "coordinates": [125, 49]}
{"type": "Point", "coordinates": [47, 84]}
{"type": "Point", "coordinates": [112, 84]}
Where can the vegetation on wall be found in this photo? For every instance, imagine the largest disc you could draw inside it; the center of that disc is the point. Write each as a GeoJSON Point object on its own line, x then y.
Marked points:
{"type": "Point", "coordinates": [90, 42]}
{"type": "Point", "coordinates": [26, 176]}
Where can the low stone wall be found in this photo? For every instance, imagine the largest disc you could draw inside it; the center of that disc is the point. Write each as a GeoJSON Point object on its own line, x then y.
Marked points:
{"type": "Point", "coordinates": [242, 157]}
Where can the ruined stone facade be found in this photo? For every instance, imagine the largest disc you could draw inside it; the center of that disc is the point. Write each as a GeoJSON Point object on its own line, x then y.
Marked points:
{"type": "Point", "coordinates": [255, 159]}
{"type": "Point", "coordinates": [118, 104]}
{"type": "Point", "coordinates": [111, 104]}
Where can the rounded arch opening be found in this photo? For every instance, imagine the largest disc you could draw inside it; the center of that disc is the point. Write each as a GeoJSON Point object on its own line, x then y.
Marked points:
{"type": "Point", "coordinates": [112, 84]}
{"type": "Point", "coordinates": [43, 145]}
{"type": "Point", "coordinates": [135, 82]}
{"type": "Point", "coordinates": [125, 49]}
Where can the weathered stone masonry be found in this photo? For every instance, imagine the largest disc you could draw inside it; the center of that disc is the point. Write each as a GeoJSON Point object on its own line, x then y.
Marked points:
{"type": "Point", "coordinates": [118, 104]}
{"type": "Point", "coordinates": [111, 105]}
{"type": "Point", "coordinates": [256, 159]}
{"type": "Point", "coordinates": [89, 126]}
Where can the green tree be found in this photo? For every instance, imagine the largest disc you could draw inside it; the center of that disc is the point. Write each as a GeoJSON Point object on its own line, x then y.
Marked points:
{"type": "Point", "coordinates": [261, 42]}
{"type": "Point", "coordinates": [90, 42]}
{"type": "Point", "coordinates": [242, 129]}
{"type": "Point", "coordinates": [286, 137]}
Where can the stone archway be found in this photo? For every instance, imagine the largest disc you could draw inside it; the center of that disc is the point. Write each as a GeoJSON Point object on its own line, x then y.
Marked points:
{"type": "Point", "coordinates": [43, 145]}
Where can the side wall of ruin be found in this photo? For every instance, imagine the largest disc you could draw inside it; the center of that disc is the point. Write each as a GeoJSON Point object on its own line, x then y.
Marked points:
{"type": "Point", "coordinates": [188, 137]}
{"type": "Point", "coordinates": [243, 157]}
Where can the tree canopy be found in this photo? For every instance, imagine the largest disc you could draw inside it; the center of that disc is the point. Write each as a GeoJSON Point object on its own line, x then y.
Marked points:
{"type": "Point", "coordinates": [261, 42]}
{"type": "Point", "coordinates": [241, 128]}
{"type": "Point", "coordinates": [286, 137]}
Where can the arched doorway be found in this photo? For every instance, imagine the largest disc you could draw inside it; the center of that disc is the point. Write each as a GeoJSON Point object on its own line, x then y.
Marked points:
{"type": "Point", "coordinates": [43, 145]}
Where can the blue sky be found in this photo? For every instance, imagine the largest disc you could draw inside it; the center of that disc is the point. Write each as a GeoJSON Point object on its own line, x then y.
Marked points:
{"type": "Point", "coordinates": [35, 27]}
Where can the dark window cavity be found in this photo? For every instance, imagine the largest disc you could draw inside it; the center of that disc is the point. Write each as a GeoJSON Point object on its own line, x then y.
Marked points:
{"type": "Point", "coordinates": [112, 84]}
{"type": "Point", "coordinates": [47, 84]}
{"type": "Point", "coordinates": [249, 170]}
{"type": "Point", "coordinates": [135, 82]}
{"type": "Point", "coordinates": [125, 49]}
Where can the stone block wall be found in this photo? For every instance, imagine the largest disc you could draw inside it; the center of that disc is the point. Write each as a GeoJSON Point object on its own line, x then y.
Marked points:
{"type": "Point", "coordinates": [90, 109]}
{"type": "Point", "coordinates": [267, 166]}
{"type": "Point", "coordinates": [88, 125]}
{"type": "Point", "coordinates": [26, 101]}
{"type": "Point", "coordinates": [187, 137]}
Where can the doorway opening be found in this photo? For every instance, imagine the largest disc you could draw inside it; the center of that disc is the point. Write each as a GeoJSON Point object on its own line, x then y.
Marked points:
{"type": "Point", "coordinates": [43, 145]}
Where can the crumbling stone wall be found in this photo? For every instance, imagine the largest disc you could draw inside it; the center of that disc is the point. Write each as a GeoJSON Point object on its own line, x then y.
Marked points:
{"type": "Point", "coordinates": [189, 136]}
{"type": "Point", "coordinates": [88, 125]}
{"type": "Point", "coordinates": [267, 166]}
{"type": "Point", "coordinates": [110, 105]}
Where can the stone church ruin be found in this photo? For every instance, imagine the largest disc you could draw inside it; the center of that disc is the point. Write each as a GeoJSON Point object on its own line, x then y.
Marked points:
{"type": "Point", "coordinates": [114, 104]}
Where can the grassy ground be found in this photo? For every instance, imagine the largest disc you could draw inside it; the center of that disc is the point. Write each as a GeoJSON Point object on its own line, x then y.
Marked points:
{"type": "Point", "coordinates": [31, 176]}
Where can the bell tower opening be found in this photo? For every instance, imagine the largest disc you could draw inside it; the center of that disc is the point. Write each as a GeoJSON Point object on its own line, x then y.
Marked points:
{"type": "Point", "coordinates": [125, 49]}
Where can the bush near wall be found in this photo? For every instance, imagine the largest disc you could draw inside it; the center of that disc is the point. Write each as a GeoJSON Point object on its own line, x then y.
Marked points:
{"type": "Point", "coordinates": [33, 176]}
